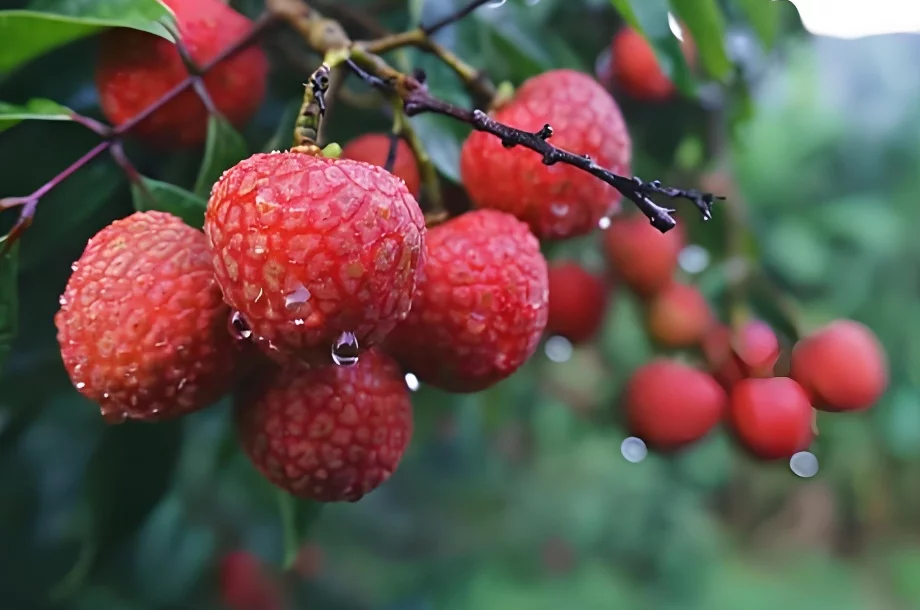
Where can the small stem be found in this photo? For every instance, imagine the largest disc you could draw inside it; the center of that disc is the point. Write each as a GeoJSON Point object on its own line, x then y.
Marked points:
{"type": "Point", "coordinates": [431, 182]}
{"type": "Point", "coordinates": [313, 109]}
{"type": "Point", "coordinates": [288, 528]}
{"type": "Point", "coordinates": [336, 82]}
{"type": "Point", "coordinates": [101, 129]}
{"type": "Point", "coordinates": [69, 171]}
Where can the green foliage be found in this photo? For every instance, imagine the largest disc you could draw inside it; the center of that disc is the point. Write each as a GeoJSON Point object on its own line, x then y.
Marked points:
{"type": "Point", "coordinates": [47, 25]}
{"type": "Point", "coordinates": [152, 194]}
{"type": "Point", "coordinates": [35, 109]}
{"type": "Point", "coordinates": [224, 147]}
{"type": "Point", "coordinates": [9, 299]}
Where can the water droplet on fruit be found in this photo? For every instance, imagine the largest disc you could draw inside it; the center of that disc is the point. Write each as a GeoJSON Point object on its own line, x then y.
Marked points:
{"type": "Point", "coordinates": [259, 296]}
{"type": "Point", "coordinates": [62, 301]}
{"type": "Point", "coordinates": [345, 349]}
{"type": "Point", "coordinates": [238, 326]}
{"type": "Point", "coordinates": [558, 349]}
{"type": "Point", "coordinates": [182, 383]}
{"type": "Point", "coordinates": [298, 297]}
{"type": "Point", "coordinates": [633, 449]}
{"type": "Point", "coordinates": [258, 250]}
{"type": "Point", "coordinates": [693, 259]}
{"type": "Point", "coordinates": [74, 267]}
{"type": "Point", "coordinates": [298, 322]}
{"type": "Point", "coordinates": [496, 3]}
{"type": "Point", "coordinates": [80, 385]}
{"type": "Point", "coordinates": [412, 382]}
{"type": "Point", "coordinates": [804, 464]}
{"type": "Point", "coordinates": [604, 223]}
{"type": "Point", "coordinates": [559, 209]}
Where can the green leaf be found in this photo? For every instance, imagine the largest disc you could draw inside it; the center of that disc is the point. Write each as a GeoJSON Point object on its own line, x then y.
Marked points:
{"type": "Point", "coordinates": [225, 148]}
{"type": "Point", "coordinates": [130, 471]}
{"type": "Point", "coordinates": [707, 27]}
{"type": "Point", "coordinates": [765, 18]}
{"type": "Point", "coordinates": [650, 18]}
{"type": "Point", "coordinates": [49, 24]}
{"type": "Point", "coordinates": [170, 198]}
{"type": "Point", "coordinates": [9, 300]}
{"type": "Point", "coordinates": [297, 517]}
{"type": "Point", "coordinates": [35, 109]}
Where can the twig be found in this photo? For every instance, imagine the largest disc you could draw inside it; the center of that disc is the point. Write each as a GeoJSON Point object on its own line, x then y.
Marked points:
{"type": "Point", "coordinates": [419, 100]}
{"type": "Point", "coordinates": [431, 182]}
{"type": "Point", "coordinates": [431, 29]}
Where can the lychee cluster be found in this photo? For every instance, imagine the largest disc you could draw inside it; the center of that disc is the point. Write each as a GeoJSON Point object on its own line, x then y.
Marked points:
{"type": "Point", "coordinates": [769, 404]}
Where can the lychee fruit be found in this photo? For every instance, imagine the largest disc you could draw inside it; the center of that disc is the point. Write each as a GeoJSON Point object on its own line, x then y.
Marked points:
{"type": "Point", "coordinates": [634, 66]}
{"type": "Point", "coordinates": [310, 250]}
{"type": "Point", "coordinates": [642, 257]}
{"type": "Point", "coordinates": [557, 201]}
{"type": "Point", "coordinates": [679, 316]}
{"type": "Point", "coordinates": [328, 433]}
{"type": "Point", "coordinates": [842, 366]}
{"type": "Point", "coordinates": [142, 326]}
{"type": "Point", "coordinates": [481, 306]}
{"type": "Point", "coordinates": [135, 69]}
{"type": "Point", "coordinates": [577, 302]}
{"type": "Point", "coordinates": [671, 405]}
{"type": "Point", "coordinates": [374, 148]}
{"type": "Point", "coordinates": [772, 417]}
{"type": "Point", "coordinates": [246, 585]}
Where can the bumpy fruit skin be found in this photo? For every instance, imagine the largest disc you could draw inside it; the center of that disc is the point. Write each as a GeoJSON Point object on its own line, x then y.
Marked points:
{"type": "Point", "coordinates": [772, 417]}
{"type": "Point", "coordinates": [142, 327]}
{"type": "Point", "coordinates": [306, 248]}
{"type": "Point", "coordinates": [642, 257]}
{"type": "Point", "coordinates": [244, 584]}
{"type": "Point", "coordinates": [679, 316]}
{"type": "Point", "coordinates": [135, 69]}
{"type": "Point", "coordinates": [577, 302]}
{"type": "Point", "coordinates": [635, 68]}
{"type": "Point", "coordinates": [374, 148]}
{"type": "Point", "coordinates": [328, 433]}
{"type": "Point", "coordinates": [481, 306]}
{"type": "Point", "coordinates": [842, 366]}
{"type": "Point", "coordinates": [670, 405]}
{"type": "Point", "coordinates": [557, 201]}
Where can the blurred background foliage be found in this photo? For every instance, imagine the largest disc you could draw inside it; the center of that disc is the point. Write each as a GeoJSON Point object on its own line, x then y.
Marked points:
{"type": "Point", "coordinates": [517, 497]}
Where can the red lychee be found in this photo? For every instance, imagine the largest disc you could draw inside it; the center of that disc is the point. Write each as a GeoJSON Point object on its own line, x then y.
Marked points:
{"type": "Point", "coordinates": [670, 405]}
{"type": "Point", "coordinates": [136, 69]}
{"type": "Point", "coordinates": [642, 257]}
{"type": "Point", "coordinates": [374, 148]}
{"type": "Point", "coordinates": [308, 249]}
{"type": "Point", "coordinates": [142, 327]}
{"type": "Point", "coordinates": [679, 316]}
{"type": "Point", "coordinates": [329, 433]}
{"type": "Point", "coordinates": [772, 417]}
{"type": "Point", "coordinates": [577, 302]}
{"type": "Point", "coordinates": [634, 66]}
{"type": "Point", "coordinates": [842, 366]}
{"type": "Point", "coordinates": [245, 585]}
{"type": "Point", "coordinates": [557, 201]}
{"type": "Point", "coordinates": [480, 307]}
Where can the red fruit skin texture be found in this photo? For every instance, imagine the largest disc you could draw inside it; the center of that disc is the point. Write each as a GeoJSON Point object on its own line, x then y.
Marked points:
{"type": "Point", "coordinates": [635, 68]}
{"type": "Point", "coordinates": [306, 248]}
{"type": "Point", "coordinates": [577, 302]}
{"type": "Point", "coordinates": [244, 586]}
{"type": "Point", "coordinates": [328, 433]}
{"type": "Point", "coordinates": [135, 69]}
{"type": "Point", "coordinates": [772, 417]}
{"type": "Point", "coordinates": [670, 405]}
{"type": "Point", "coordinates": [481, 307]}
{"type": "Point", "coordinates": [374, 148]}
{"type": "Point", "coordinates": [679, 316]}
{"type": "Point", "coordinates": [842, 366]}
{"type": "Point", "coordinates": [557, 201]}
{"type": "Point", "coordinates": [756, 347]}
{"type": "Point", "coordinates": [142, 326]}
{"type": "Point", "coordinates": [642, 257]}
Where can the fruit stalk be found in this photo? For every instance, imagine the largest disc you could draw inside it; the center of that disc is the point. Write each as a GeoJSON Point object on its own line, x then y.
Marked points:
{"type": "Point", "coordinates": [431, 183]}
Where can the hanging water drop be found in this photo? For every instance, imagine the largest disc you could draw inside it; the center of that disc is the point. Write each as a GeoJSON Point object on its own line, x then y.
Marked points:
{"type": "Point", "coordinates": [604, 223]}
{"type": "Point", "coordinates": [80, 385]}
{"type": "Point", "coordinates": [62, 301]}
{"type": "Point", "coordinates": [238, 326]}
{"type": "Point", "coordinates": [345, 349]}
{"type": "Point", "coordinates": [633, 449]}
{"type": "Point", "coordinates": [74, 266]}
{"type": "Point", "coordinates": [558, 349]}
{"type": "Point", "coordinates": [804, 464]}
{"type": "Point", "coordinates": [412, 382]}
{"type": "Point", "coordinates": [298, 297]}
